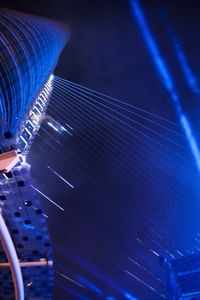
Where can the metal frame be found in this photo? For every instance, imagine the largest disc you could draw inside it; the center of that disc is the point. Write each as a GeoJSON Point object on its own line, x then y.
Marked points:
{"type": "Point", "coordinates": [11, 254]}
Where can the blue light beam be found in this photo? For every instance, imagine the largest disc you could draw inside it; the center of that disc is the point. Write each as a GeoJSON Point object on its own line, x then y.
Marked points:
{"type": "Point", "coordinates": [165, 76]}
{"type": "Point", "coordinates": [185, 123]}
{"type": "Point", "coordinates": [90, 285]}
{"type": "Point", "coordinates": [129, 296]}
{"type": "Point", "coordinates": [187, 71]}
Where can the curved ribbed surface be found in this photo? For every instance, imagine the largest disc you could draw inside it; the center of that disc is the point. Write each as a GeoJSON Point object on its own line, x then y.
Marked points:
{"type": "Point", "coordinates": [29, 50]}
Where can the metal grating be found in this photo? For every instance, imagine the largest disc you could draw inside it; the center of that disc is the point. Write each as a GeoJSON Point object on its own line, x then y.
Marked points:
{"type": "Point", "coordinates": [27, 224]}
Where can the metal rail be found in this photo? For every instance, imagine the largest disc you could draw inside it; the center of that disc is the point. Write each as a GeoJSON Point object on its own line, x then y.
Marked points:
{"type": "Point", "coordinates": [11, 254]}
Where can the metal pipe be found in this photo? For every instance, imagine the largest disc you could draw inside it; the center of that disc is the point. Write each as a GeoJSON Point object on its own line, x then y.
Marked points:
{"type": "Point", "coordinates": [11, 254]}
{"type": "Point", "coordinates": [40, 263]}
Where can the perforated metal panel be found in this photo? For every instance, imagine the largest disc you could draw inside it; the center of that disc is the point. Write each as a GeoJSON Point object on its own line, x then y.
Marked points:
{"type": "Point", "coordinates": [185, 272]}
{"type": "Point", "coordinates": [29, 50]}
{"type": "Point", "coordinates": [27, 224]}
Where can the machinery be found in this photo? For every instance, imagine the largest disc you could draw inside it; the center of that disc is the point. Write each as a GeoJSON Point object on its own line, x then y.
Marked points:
{"type": "Point", "coordinates": [29, 51]}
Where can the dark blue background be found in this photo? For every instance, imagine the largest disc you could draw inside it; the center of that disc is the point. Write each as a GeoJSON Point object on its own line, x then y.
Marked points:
{"type": "Point", "coordinates": [128, 194]}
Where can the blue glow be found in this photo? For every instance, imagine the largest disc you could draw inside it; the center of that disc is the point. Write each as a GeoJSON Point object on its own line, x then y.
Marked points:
{"type": "Point", "coordinates": [90, 285]}
{"type": "Point", "coordinates": [166, 77]}
{"type": "Point", "coordinates": [129, 296]}
{"type": "Point", "coordinates": [185, 123]}
{"type": "Point", "coordinates": [23, 74]}
{"type": "Point", "coordinates": [153, 49]}
{"type": "Point", "coordinates": [182, 59]}
{"type": "Point", "coordinates": [187, 72]}
{"type": "Point", "coordinates": [94, 271]}
{"type": "Point", "coordinates": [110, 298]}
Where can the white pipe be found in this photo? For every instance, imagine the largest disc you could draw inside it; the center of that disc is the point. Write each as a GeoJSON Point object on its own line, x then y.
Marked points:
{"type": "Point", "coordinates": [25, 264]}
{"type": "Point", "coordinates": [11, 254]}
